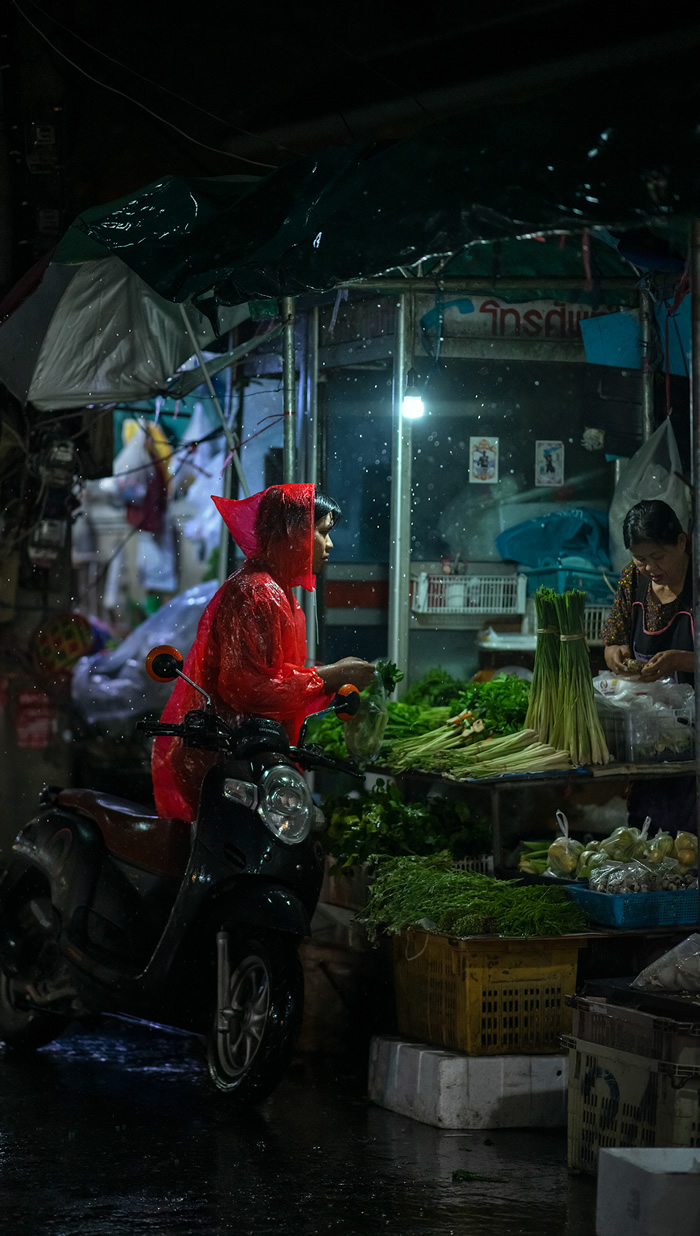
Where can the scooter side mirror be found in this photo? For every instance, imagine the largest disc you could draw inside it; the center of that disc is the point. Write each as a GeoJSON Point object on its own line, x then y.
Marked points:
{"type": "Point", "coordinates": [164, 663]}
{"type": "Point", "coordinates": [346, 702]}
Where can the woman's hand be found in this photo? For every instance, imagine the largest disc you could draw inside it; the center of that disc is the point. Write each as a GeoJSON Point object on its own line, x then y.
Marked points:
{"type": "Point", "coordinates": [350, 669]}
{"type": "Point", "coordinates": [616, 657]}
{"type": "Point", "coordinates": [666, 664]}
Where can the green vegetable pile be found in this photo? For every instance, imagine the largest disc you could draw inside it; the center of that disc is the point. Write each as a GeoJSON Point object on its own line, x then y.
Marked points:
{"type": "Point", "coordinates": [380, 821]}
{"type": "Point", "coordinates": [501, 703]}
{"type": "Point", "coordinates": [412, 892]}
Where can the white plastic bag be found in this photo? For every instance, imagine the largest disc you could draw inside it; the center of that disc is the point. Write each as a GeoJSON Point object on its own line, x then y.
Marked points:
{"type": "Point", "coordinates": [651, 473]}
{"type": "Point", "coordinates": [677, 970]}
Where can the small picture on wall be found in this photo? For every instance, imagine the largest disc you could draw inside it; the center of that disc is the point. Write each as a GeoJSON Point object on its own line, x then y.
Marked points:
{"type": "Point", "coordinates": [549, 463]}
{"type": "Point", "coordinates": [483, 461]}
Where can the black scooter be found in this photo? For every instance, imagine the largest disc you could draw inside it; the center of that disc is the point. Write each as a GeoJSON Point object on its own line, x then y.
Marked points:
{"type": "Point", "coordinates": [107, 909]}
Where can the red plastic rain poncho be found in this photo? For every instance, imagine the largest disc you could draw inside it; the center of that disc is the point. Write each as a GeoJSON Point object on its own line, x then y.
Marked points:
{"type": "Point", "coordinates": [249, 653]}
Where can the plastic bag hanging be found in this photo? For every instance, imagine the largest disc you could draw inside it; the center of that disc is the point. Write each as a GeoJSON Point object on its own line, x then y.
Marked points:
{"type": "Point", "coordinates": [563, 854]}
{"type": "Point", "coordinates": [364, 733]}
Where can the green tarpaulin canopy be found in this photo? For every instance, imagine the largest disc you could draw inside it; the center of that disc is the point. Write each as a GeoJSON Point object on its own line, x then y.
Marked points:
{"type": "Point", "coordinates": [618, 156]}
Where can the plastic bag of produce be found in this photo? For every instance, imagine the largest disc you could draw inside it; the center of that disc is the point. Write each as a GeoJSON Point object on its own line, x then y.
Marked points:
{"type": "Point", "coordinates": [659, 847]}
{"type": "Point", "coordinates": [364, 733]}
{"type": "Point", "coordinates": [617, 877]}
{"type": "Point", "coordinates": [621, 844]}
{"type": "Point", "coordinates": [640, 847]}
{"type": "Point", "coordinates": [677, 970]}
{"type": "Point", "coordinates": [585, 862]}
{"type": "Point", "coordinates": [685, 849]}
{"type": "Point", "coordinates": [563, 854]}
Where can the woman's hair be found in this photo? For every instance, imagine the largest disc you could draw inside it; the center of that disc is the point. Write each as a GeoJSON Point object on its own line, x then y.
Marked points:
{"type": "Point", "coordinates": [323, 505]}
{"type": "Point", "coordinates": [651, 521]}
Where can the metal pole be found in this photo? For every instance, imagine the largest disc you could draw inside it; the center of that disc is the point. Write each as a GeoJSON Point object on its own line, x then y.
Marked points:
{"type": "Point", "coordinates": [695, 438]}
{"type": "Point", "coordinates": [288, 385]}
{"type": "Point", "coordinates": [311, 431]}
{"type": "Point", "coordinates": [647, 370]}
{"type": "Point", "coordinates": [401, 450]}
{"type": "Point", "coordinates": [229, 435]}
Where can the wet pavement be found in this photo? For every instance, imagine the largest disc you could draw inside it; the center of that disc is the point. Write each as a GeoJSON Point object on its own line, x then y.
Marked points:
{"type": "Point", "coordinates": [117, 1131]}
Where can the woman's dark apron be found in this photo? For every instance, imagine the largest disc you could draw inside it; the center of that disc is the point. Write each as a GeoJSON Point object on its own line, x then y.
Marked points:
{"type": "Point", "coordinates": [679, 633]}
{"type": "Point", "coordinates": [670, 803]}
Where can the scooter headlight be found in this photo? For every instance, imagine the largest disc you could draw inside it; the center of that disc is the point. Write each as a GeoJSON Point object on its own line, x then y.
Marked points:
{"type": "Point", "coordinates": [285, 804]}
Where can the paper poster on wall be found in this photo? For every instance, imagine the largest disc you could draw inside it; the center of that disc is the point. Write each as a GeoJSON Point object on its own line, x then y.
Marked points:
{"type": "Point", "coordinates": [549, 463]}
{"type": "Point", "coordinates": [483, 456]}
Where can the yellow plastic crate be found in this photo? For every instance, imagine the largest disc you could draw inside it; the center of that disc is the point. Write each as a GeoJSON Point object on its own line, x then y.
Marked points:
{"type": "Point", "coordinates": [484, 995]}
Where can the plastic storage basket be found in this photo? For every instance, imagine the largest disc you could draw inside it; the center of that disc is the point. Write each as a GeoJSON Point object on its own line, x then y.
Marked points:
{"type": "Point", "coordinates": [483, 995]}
{"type": "Point", "coordinates": [469, 594]}
{"type": "Point", "coordinates": [669, 909]}
{"type": "Point", "coordinates": [632, 1030]}
{"type": "Point", "coordinates": [647, 737]}
{"type": "Point", "coordinates": [594, 616]}
{"type": "Point", "coordinates": [600, 586]}
{"type": "Point", "coordinates": [618, 1098]}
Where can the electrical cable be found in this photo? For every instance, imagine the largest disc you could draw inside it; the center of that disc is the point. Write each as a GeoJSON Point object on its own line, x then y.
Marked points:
{"type": "Point", "coordinates": [115, 90]}
{"type": "Point", "coordinates": [156, 85]}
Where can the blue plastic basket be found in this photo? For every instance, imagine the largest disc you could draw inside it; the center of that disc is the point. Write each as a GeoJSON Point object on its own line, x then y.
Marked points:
{"type": "Point", "coordinates": [565, 579]}
{"type": "Point", "coordinates": [638, 909]}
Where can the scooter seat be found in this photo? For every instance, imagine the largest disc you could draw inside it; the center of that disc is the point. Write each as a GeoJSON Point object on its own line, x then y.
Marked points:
{"type": "Point", "coordinates": [132, 834]}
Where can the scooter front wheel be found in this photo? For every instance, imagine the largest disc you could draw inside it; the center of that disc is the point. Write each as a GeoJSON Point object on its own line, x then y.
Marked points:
{"type": "Point", "coordinates": [260, 1000]}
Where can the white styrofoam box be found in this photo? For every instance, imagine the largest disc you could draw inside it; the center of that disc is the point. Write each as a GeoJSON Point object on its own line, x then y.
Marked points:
{"type": "Point", "coordinates": [454, 1091]}
{"type": "Point", "coordinates": [648, 1192]}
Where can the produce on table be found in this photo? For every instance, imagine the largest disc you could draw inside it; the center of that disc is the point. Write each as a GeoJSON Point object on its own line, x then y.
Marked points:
{"type": "Point", "coordinates": [577, 727]}
{"type": "Point", "coordinates": [544, 694]}
{"type": "Point", "coordinates": [431, 893]}
{"type": "Point", "coordinates": [380, 821]}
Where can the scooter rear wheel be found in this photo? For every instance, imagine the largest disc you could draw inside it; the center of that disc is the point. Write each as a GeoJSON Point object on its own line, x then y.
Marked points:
{"type": "Point", "coordinates": [258, 1017]}
{"type": "Point", "coordinates": [21, 1026]}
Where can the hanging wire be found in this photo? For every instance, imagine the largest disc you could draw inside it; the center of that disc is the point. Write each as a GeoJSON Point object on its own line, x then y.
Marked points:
{"type": "Point", "coordinates": [115, 90]}
{"type": "Point", "coordinates": [157, 85]}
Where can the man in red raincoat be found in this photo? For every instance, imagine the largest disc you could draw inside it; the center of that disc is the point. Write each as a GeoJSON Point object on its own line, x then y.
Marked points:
{"type": "Point", "coordinates": [249, 653]}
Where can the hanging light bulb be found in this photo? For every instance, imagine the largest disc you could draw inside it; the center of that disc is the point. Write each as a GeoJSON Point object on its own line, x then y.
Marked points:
{"type": "Point", "coordinates": [412, 406]}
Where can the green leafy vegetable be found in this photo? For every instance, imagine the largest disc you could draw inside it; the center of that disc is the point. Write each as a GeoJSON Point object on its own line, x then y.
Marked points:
{"type": "Point", "coordinates": [380, 821]}
{"type": "Point", "coordinates": [435, 689]}
{"type": "Point", "coordinates": [410, 892]}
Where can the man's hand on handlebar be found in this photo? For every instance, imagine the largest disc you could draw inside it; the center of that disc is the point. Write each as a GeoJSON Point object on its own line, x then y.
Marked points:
{"type": "Point", "coordinates": [349, 669]}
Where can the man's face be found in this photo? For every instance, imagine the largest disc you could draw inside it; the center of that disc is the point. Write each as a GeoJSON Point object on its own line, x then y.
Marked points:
{"type": "Point", "coordinates": [322, 543]}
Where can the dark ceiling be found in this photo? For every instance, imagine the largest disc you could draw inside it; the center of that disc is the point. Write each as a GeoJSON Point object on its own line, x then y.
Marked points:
{"type": "Point", "coordinates": [143, 88]}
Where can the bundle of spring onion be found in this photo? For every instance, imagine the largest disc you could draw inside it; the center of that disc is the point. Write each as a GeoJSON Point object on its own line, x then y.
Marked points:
{"type": "Point", "coordinates": [513, 753]}
{"type": "Point", "coordinates": [459, 750]}
{"type": "Point", "coordinates": [544, 692]}
{"type": "Point", "coordinates": [577, 727]}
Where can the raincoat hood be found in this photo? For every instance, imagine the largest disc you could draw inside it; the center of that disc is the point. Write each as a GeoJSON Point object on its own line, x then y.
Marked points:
{"type": "Point", "coordinates": [276, 528]}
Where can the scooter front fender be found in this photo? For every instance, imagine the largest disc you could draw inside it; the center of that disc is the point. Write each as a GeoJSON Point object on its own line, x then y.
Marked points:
{"type": "Point", "coordinates": [268, 906]}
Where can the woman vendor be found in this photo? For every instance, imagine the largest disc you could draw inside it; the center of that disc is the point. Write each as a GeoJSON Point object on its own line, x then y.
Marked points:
{"type": "Point", "coordinates": [652, 623]}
